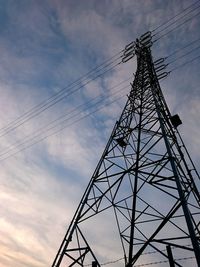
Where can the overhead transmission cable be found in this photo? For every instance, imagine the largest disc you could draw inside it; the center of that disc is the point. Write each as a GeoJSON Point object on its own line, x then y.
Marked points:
{"type": "Point", "coordinates": [183, 55]}
{"type": "Point", "coordinates": [186, 54]}
{"type": "Point", "coordinates": [182, 65]}
{"type": "Point", "coordinates": [80, 80]}
{"type": "Point", "coordinates": [177, 26]}
{"type": "Point", "coordinates": [185, 63]}
{"type": "Point", "coordinates": [182, 48]}
{"type": "Point", "coordinates": [59, 96]}
{"type": "Point", "coordinates": [174, 16]}
{"type": "Point", "coordinates": [145, 264]}
{"type": "Point", "coordinates": [143, 254]}
{"type": "Point", "coordinates": [164, 261]}
{"type": "Point", "coordinates": [38, 109]}
{"type": "Point", "coordinates": [45, 130]}
{"type": "Point", "coordinates": [71, 112]}
{"type": "Point", "coordinates": [173, 22]}
{"type": "Point", "coordinates": [34, 112]}
{"type": "Point", "coordinates": [55, 97]}
{"type": "Point", "coordinates": [45, 137]}
{"type": "Point", "coordinates": [65, 126]}
{"type": "Point", "coordinates": [170, 22]}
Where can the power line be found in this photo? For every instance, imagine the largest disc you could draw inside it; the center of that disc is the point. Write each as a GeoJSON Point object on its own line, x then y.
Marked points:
{"type": "Point", "coordinates": [175, 16]}
{"type": "Point", "coordinates": [143, 254]}
{"type": "Point", "coordinates": [32, 138]}
{"type": "Point", "coordinates": [186, 54]}
{"type": "Point", "coordinates": [55, 98]}
{"type": "Point", "coordinates": [48, 129]}
{"type": "Point", "coordinates": [27, 142]}
{"type": "Point", "coordinates": [38, 109]}
{"type": "Point", "coordinates": [59, 95]}
{"type": "Point", "coordinates": [43, 104]}
{"type": "Point", "coordinates": [164, 261]}
{"type": "Point", "coordinates": [63, 118]}
{"type": "Point", "coordinates": [177, 26]}
{"type": "Point", "coordinates": [45, 137]}
{"type": "Point", "coordinates": [20, 123]}
{"type": "Point", "coordinates": [23, 119]}
{"type": "Point", "coordinates": [182, 48]}
{"type": "Point", "coordinates": [173, 22]}
{"type": "Point", "coordinates": [183, 55]}
{"type": "Point", "coordinates": [106, 263]}
{"type": "Point", "coordinates": [144, 264]}
{"type": "Point", "coordinates": [185, 63]}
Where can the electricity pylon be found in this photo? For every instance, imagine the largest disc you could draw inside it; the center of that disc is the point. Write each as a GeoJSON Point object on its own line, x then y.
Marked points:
{"type": "Point", "coordinates": [145, 180]}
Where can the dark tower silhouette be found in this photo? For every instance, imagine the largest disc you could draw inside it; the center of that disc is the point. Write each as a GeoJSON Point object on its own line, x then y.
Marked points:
{"type": "Point", "coordinates": [145, 180]}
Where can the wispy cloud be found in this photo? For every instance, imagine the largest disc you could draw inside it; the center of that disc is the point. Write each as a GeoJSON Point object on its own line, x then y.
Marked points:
{"type": "Point", "coordinates": [45, 46]}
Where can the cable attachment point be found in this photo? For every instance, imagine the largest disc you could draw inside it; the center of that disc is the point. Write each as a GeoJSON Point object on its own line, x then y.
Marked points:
{"type": "Point", "coordinates": [129, 52]}
{"type": "Point", "coordinates": [159, 67]}
{"type": "Point", "coordinates": [146, 39]}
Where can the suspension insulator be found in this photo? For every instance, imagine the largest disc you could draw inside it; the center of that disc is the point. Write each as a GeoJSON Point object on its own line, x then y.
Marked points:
{"type": "Point", "coordinates": [161, 67]}
{"type": "Point", "coordinates": [130, 52]}
{"type": "Point", "coordinates": [129, 46]}
{"type": "Point", "coordinates": [125, 59]}
{"type": "Point", "coordinates": [145, 39]}
{"type": "Point", "coordinates": [145, 35]}
{"type": "Point", "coordinates": [148, 43]}
{"type": "Point", "coordinates": [159, 61]}
{"type": "Point", "coordinates": [163, 75]}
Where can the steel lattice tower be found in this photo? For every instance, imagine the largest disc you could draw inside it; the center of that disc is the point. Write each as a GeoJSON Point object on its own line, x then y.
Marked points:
{"type": "Point", "coordinates": [145, 180]}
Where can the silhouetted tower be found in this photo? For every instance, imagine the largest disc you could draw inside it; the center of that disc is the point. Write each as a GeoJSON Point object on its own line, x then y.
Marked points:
{"type": "Point", "coordinates": [145, 185]}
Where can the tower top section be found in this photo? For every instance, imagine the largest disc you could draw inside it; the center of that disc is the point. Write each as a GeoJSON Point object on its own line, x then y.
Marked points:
{"type": "Point", "coordinates": [145, 41]}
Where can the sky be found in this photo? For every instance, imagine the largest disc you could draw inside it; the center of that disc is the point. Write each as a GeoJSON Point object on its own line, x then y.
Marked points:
{"type": "Point", "coordinates": [46, 160]}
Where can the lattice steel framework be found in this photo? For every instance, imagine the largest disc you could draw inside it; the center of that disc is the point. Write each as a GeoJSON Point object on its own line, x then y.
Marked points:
{"type": "Point", "coordinates": [146, 181]}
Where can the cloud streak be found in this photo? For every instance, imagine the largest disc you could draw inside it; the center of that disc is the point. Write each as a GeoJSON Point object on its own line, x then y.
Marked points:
{"type": "Point", "coordinates": [45, 46]}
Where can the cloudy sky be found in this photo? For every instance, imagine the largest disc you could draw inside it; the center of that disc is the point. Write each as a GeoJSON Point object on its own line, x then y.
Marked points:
{"type": "Point", "coordinates": [55, 120]}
